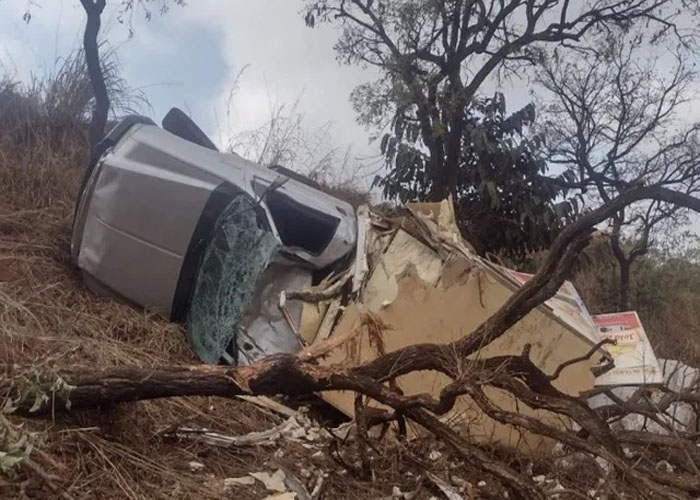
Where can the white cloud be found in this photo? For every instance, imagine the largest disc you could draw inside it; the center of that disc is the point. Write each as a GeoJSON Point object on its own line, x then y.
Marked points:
{"type": "Point", "coordinates": [285, 60]}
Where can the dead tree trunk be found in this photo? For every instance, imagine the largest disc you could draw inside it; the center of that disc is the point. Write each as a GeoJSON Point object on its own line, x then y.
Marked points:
{"type": "Point", "coordinates": [94, 9]}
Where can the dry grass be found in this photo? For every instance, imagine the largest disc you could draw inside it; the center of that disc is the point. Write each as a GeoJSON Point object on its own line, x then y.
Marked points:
{"type": "Point", "coordinates": [48, 320]}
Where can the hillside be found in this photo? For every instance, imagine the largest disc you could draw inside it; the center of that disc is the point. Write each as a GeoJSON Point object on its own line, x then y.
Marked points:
{"type": "Point", "coordinates": [50, 321]}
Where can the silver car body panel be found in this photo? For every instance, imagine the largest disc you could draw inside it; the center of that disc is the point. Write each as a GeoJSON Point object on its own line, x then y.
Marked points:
{"type": "Point", "coordinates": [268, 330]}
{"type": "Point", "coordinates": [138, 213]}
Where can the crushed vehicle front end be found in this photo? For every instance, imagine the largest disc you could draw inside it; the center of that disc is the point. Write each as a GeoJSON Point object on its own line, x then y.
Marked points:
{"type": "Point", "coordinates": [205, 237]}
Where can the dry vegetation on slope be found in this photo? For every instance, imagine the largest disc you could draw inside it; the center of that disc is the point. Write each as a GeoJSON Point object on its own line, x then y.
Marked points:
{"type": "Point", "coordinates": [49, 321]}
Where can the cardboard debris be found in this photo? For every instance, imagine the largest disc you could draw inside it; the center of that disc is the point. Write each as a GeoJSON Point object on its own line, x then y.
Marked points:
{"type": "Point", "coordinates": [293, 483]}
{"type": "Point", "coordinates": [416, 280]}
{"type": "Point", "coordinates": [635, 361]}
{"type": "Point", "coordinates": [272, 481]}
{"type": "Point", "coordinates": [425, 284]}
{"type": "Point", "coordinates": [195, 466]}
{"type": "Point", "coordinates": [230, 482]}
{"type": "Point", "coordinates": [445, 488]}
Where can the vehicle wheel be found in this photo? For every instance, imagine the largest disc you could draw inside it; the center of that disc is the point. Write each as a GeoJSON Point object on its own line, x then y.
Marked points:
{"type": "Point", "coordinates": [178, 123]}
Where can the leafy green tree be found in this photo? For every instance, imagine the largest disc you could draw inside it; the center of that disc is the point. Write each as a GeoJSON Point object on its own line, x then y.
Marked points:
{"type": "Point", "coordinates": [503, 200]}
{"type": "Point", "coordinates": [434, 56]}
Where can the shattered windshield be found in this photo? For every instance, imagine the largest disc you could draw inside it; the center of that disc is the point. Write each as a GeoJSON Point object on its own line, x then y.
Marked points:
{"type": "Point", "coordinates": [233, 264]}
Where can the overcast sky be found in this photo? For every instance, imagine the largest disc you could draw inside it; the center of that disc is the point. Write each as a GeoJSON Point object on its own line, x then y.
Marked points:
{"type": "Point", "coordinates": [191, 58]}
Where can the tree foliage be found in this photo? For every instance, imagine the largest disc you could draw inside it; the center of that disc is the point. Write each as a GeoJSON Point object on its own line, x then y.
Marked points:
{"type": "Point", "coordinates": [434, 57]}
{"type": "Point", "coordinates": [503, 202]}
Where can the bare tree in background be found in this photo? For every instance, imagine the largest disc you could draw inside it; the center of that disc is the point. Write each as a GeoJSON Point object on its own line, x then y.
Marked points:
{"type": "Point", "coordinates": [618, 118]}
{"type": "Point", "coordinates": [435, 56]}
{"type": "Point", "coordinates": [94, 9]}
{"type": "Point", "coordinates": [285, 140]}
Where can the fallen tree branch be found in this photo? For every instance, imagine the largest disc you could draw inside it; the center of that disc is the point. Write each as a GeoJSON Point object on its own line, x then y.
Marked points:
{"type": "Point", "coordinates": [664, 485]}
{"type": "Point", "coordinates": [642, 405]}
{"type": "Point", "coordinates": [519, 484]}
{"type": "Point", "coordinates": [292, 375]}
{"type": "Point", "coordinates": [585, 357]}
{"type": "Point", "coordinates": [690, 450]}
{"type": "Point", "coordinates": [362, 438]}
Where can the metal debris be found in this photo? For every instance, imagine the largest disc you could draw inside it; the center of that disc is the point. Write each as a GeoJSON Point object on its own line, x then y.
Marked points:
{"type": "Point", "coordinates": [446, 489]}
{"type": "Point", "coordinates": [267, 437]}
{"type": "Point", "coordinates": [293, 483]}
{"type": "Point", "coordinates": [298, 428]}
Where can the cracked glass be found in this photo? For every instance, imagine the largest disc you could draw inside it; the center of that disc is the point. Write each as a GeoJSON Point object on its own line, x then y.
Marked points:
{"type": "Point", "coordinates": [240, 251]}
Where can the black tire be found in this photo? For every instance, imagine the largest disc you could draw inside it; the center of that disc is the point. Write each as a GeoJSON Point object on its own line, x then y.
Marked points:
{"type": "Point", "coordinates": [178, 123]}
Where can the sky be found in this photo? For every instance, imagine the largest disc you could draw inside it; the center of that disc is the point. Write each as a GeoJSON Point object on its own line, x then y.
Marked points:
{"type": "Point", "coordinates": [192, 57]}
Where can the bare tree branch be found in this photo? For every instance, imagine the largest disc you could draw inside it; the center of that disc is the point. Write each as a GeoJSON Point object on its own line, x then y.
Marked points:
{"type": "Point", "coordinates": [94, 9]}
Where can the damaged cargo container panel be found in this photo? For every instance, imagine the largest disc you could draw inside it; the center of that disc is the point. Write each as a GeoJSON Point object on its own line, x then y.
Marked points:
{"type": "Point", "coordinates": [566, 304]}
{"type": "Point", "coordinates": [155, 208]}
{"type": "Point", "coordinates": [635, 360]}
{"type": "Point", "coordinates": [425, 286]}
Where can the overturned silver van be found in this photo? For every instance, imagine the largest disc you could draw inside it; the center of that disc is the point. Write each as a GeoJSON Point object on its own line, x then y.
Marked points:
{"type": "Point", "coordinates": [165, 221]}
